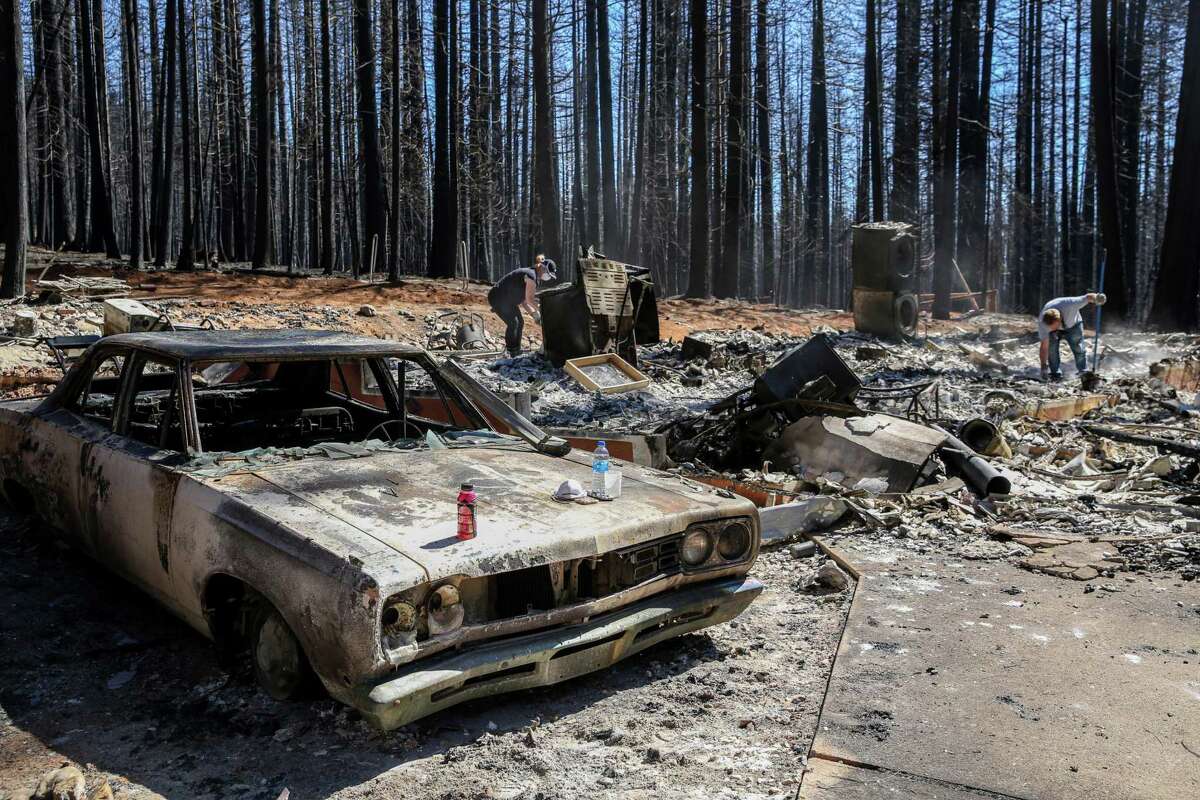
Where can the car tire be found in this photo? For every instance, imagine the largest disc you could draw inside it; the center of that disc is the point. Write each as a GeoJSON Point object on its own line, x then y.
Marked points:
{"type": "Point", "coordinates": [279, 663]}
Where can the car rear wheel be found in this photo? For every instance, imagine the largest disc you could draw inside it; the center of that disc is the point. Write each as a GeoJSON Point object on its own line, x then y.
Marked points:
{"type": "Point", "coordinates": [280, 666]}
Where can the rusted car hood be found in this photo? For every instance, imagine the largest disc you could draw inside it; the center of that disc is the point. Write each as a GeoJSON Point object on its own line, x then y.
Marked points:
{"type": "Point", "coordinates": [406, 504]}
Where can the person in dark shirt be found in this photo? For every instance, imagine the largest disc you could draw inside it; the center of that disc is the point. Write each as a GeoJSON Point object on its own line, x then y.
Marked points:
{"type": "Point", "coordinates": [516, 291]}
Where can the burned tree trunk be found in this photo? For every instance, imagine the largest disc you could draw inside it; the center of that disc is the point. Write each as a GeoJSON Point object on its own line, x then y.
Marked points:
{"type": "Point", "coordinates": [607, 165]}
{"type": "Point", "coordinates": [374, 244]}
{"type": "Point", "coordinates": [444, 238]}
{"type": "Point", "coordinates": [545, 172]}
{"type": "Point", "coordinates": [698, 283]}
{"type": "Point", "coordinates": [95, 84]}
{"type": "Point", "coordinates": [766, 178]}
{"type": "Point", "coordinates": [14, 200]}
{"type": "Point", "coordinates": [165, 146]}
{"type": "Point", "coordinates": [874, 112]}
{"type": "Point", "coordinates": [326, 201]}
{"type": "Point", "coordinates": [944, 182]}
{"type": "Point", "coordinates": [260, 90]}
{"type": "Point", "coordinates": [973, 155]}
{"type": "Point", "coordinates": [816, 212]}
{"type": "Point", "coordinates": [735, 142]}
{"type": "Point", "coordinates": [906, 176]}
{"type": "Point", "coordinates": [187, 244]}
{"type": "Point", "coordinates": [1107, 184]}
{"type": "Point", "coordinates": [1177, 291]}
{"type": "Point", "coordinates": [133, 95]}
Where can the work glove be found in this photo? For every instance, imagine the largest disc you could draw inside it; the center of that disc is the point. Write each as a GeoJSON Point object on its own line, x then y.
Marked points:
{"type": "Point", "coordinates": [1101, 298]}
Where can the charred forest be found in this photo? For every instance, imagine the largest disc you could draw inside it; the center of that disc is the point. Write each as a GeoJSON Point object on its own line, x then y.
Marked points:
{"type": "Point", "coordinates": [1037, 146]}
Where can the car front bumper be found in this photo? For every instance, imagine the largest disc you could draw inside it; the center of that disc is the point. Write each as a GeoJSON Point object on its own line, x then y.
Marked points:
{"type": "Point", "coordinates": [430, 685]}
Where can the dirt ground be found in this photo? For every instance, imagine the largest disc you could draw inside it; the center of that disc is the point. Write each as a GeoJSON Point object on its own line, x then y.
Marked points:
{"type": "Point", "coordinates": [93, 674]}
{"type": "Point", "coordinates": [417, 296]}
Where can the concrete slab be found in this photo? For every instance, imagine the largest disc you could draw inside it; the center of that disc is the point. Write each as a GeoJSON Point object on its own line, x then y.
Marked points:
{"type": "Point", "coordinates": [983, 675]}
{"type": "Point", "coordinates": [831, 780]}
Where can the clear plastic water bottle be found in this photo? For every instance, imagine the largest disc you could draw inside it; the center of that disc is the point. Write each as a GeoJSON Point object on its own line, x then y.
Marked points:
{"type": "Point", "coordinates": [599, 469]}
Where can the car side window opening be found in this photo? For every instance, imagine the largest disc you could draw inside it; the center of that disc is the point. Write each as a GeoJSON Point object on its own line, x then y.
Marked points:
{"type": "Point", "coordinates": [155, 410]}
{"type": "Point", "coordinates": [247, 405]}
{"type": "Point", "coordinates": [98, 399]}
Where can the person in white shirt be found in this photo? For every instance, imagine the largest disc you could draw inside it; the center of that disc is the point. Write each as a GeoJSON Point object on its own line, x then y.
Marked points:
{"type": "Point", "coordinates": [1059, 320]}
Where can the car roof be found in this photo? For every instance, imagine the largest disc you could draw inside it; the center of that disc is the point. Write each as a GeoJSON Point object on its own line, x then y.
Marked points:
{"type": "Point", "coordinates": [250, 345]}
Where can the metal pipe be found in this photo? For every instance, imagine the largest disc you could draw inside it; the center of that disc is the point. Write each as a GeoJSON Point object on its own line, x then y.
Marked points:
{"type": "Point", "coordinates": [973, 468]}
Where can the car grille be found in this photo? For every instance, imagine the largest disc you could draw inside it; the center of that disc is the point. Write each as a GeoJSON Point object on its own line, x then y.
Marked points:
{"type": "Point", "coordinates": [642, 562]}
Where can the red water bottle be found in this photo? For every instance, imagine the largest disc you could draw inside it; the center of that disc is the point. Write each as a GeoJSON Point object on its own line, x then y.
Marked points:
{"type": "Point", "coordinates": [466, 512]}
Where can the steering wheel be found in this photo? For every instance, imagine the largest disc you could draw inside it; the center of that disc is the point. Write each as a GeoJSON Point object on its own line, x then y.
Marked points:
{"type": "Point", "coordinates": [403, 424]}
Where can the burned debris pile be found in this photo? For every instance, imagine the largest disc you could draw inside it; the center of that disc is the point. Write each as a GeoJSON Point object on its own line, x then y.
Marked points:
{"type": "Point", "coordinates": [949, 441]}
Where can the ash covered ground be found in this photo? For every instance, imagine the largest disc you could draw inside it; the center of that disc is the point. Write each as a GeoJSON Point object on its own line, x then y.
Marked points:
{"type": "Point", "coordinates": [93, 675]}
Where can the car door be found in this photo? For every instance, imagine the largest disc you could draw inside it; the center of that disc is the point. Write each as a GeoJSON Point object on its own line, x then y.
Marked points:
{"type": "Point", "coordinates": [57, 437]}
{"type": "Point", "coordinates": [130, 478]}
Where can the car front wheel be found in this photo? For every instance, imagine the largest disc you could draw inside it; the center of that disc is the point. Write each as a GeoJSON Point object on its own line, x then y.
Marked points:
{"type": "Point", "coordinates": [280, 665]}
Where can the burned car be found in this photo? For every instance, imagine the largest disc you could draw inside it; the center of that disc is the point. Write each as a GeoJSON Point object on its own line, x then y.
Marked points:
{"type": "Point", "coordinates": [293, 494]}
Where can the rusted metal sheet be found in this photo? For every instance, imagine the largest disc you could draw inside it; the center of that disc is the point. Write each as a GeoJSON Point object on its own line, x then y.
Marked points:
{"type": "Point", "coordinates": [761, 493]}
{"type": "Point", "coordinates": [870, 446]}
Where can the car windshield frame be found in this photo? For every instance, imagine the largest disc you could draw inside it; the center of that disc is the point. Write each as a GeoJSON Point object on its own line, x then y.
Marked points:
{"type": "Point", "coordinates": [452, 382]}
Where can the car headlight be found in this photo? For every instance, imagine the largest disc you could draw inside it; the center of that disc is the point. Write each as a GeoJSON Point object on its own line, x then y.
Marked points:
{"type": "Point", "coordinates": [398, 617]}
{"type": "Point", "coordinates": [734, 541]}
{"type": "Point", "coordinates": [696, 547]}
{"type": "Point", "coordinates": [446, 611]}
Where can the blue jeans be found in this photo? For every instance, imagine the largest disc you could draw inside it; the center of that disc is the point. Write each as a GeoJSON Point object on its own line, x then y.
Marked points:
{"type": "Point", "coordinates": [1074, 337]}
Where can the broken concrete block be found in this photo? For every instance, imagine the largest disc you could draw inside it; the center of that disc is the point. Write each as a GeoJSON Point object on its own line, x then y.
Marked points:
{"type": "Point", "coordinates": [25, 323]}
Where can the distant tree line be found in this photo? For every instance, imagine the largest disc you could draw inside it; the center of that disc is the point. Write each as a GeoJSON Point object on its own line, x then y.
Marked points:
{"type": "Point", "coordinates": [728, 145]}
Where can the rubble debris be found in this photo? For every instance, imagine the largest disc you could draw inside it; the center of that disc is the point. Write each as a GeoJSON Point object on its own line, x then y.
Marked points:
{"type": "Point", "coordinates": [1183, 374]}
{"type": "Point", "coordinates": [79, 287]}
{"type": "Point", "coordinates": [814, 370]}
{"type": "Point", "coordinates": [1081, 561]}
{"type": "Point", "coordinates": [459, 331]}
{"type": "Point", "coordinates": [781, 522]}
{"type": "Point", "coordinates": [803, 550]}
{"type": "Point", "coordinates": [982, 436]}
{"type": "Point", "coordinates": [607, 373]}
{"type": "Point", "coordinates": [1068, 407]}
{"type": "Point", "coordinates": [1167, 445]}
{"type": "Point", "coordinates": [829, 579]}
{"type": "Point", "coordinates": [367, 310]}
{"type": "Point", "coordinates": [868, 446]}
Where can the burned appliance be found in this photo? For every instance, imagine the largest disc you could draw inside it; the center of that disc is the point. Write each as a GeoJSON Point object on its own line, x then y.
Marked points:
{"type": "Point", "coordinates": [884, 263]}
{"type": "Point", "coordinates": [610, 307]}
